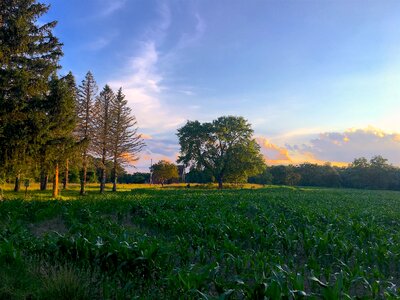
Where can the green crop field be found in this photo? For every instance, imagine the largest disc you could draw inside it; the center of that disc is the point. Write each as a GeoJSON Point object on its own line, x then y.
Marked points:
{"type": "Point", "coordinates": [266, 243]}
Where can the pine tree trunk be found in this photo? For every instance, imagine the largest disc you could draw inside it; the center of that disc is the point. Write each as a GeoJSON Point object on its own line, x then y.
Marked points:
{"type": "Point", "coordinates": [102, 180]}
{"type": "Point", "coordinates": [45, 182]}
{"type": "Point", "coordinates": [17, 185]}
{"type": "Point", "coordinates": [66, 174]}
{"type": "Point", "coordinates": [43, 172]}
{"type": "Point", "coordinates": [55, 181]}
{"type": "Point", "coordinates": [114, 189]}
{"type": "Point", "coordinates": [42, 181]}
{"type": "Point", "coordinates": [84, 174]}
{"type": "Point", "coordinates": [103, 171]}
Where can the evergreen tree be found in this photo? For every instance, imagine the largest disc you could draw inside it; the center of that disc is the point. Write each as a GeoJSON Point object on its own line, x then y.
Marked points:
{"type": "Point", "coordinates": [86, 97]}
{"type": "Point", "coordinates": [29, 54]}
{"type": "Point", "coordinates": [58, 123]}
{"type": "Point", "coordinates": [126, 142]}
{"type": "Point", "coordinates": [103, 122]}
{"type": "Point", "coordinates": [70, 81]}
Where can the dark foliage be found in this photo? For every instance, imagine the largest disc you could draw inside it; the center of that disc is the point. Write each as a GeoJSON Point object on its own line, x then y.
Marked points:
{"type": "Point", "coordinates": [361, 174]}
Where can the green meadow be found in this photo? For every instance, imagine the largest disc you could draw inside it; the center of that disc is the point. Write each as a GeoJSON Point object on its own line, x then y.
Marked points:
{"type": "Point", "coordinates": [176, 243]}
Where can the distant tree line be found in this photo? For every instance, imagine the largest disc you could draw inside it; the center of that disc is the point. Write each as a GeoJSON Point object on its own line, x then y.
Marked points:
{"type": "Point", "coordinates": [48, 124]}
{"type": "Point", "coordinates": [376, 173]}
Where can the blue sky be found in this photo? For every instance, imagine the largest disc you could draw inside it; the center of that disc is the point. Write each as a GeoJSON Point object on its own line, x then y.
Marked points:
{"type": "Point", "coordinates": [319, 80]}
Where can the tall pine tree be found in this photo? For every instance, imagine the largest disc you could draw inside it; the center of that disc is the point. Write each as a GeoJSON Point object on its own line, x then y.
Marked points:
{"type": "Point", "coordinates": [103, 120]}
{"type": "Point", "coordinates": [86, 96]}
{"type": "Point", "coordinates": [58, 141]}
{"type": "Point", "coordinates": [29, 54]}
{"type": "Point", "coordinates": [73, 93]}
{"type": "Point", "coordinates": [126, 143]}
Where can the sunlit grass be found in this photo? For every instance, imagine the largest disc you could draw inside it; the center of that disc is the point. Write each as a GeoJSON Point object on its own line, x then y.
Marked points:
{"type": "Point", "coordinates": [33, 192]}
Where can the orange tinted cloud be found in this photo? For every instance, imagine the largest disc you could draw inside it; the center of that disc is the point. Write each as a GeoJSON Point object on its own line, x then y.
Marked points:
{"type": "Point", "coordinates": [146, 136]}
{"type": "Point", "coordinates": [273, 154]}
{"type": "Point", "coordinates": [309, 157]}
{"type": "Point", "coordinates": [277, 155]}
{"type": "Point", "coordinates": [396, 137]}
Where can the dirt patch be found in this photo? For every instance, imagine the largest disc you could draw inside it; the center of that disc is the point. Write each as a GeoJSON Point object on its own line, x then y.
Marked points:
{"type": "Point", "coordinates": [48, 226]}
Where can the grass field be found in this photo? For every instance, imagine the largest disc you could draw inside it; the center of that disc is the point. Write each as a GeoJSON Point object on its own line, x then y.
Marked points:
{"type": "Point", "coordinates": [201, 244]}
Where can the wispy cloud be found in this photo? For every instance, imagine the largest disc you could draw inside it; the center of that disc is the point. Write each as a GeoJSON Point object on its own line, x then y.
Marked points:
{"type": "Point", "coordinates": [108, 7]}
{"type": "Point", "coordinates": [144, 69]}
{"type": "Point", "coordinates": [187, 92]}
{"type": "Point", "coordinates": [144, 81]}
{"type": "Point", "coordinates": [102, 9]}
{"type": "Point", "coordinates": [148, 92]}
{"type": "Point", "coordinates": [142, 85]}
{"type": "Point", "coordinates": [158, 30]}
{"type": "Point", "coordinates": [100, 42]}
{"type": "Point", "coordinates": [189, 38]}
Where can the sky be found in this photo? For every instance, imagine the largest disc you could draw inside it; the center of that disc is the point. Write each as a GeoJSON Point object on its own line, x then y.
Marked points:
{"type": "Point", "coordinates": [319, 80]}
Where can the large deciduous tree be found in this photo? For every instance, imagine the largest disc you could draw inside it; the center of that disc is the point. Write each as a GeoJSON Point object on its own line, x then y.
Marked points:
{"type": "Point", "coordinates": [29, 54]}
{"type": "Point", "coordinates": [103, 122]}
{"type": "Point", "coordinates": [126, 143]}
{"type": "Point", "coordinates": [87, 92]}
{"type": "Point", "coordinates": [225, 147]}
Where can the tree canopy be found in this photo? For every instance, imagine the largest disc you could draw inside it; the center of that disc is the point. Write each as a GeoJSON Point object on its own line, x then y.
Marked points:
{"type": "Point", "coordinates": [164, 171]}
{"type": "Point", "coordinates": [29, 55]}
{"type": "Point", "coordinates": [375, 173]}
{"type": "Point", "coordinates": [225, 147]}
